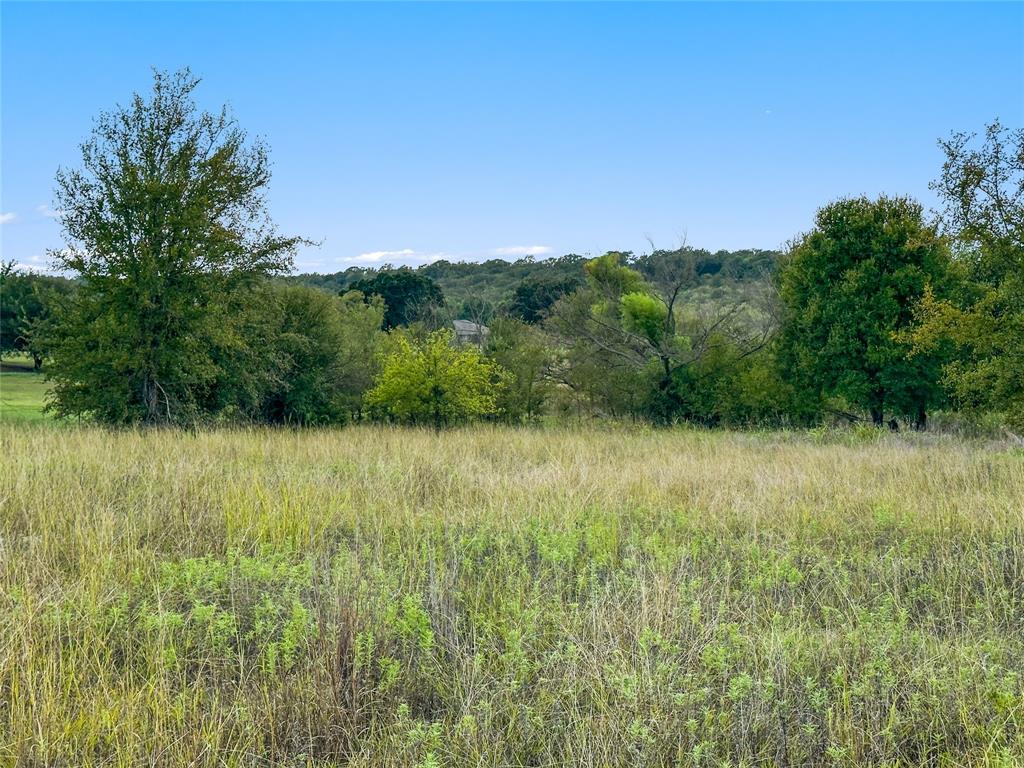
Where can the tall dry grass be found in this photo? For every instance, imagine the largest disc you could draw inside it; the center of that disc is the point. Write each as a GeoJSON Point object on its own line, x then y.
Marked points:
{"type": "Point", "coordinates": [502, 597]}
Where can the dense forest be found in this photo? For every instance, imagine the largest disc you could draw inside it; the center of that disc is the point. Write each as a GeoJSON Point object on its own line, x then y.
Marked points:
{"type": "Point", "coordinates": [180, 306]}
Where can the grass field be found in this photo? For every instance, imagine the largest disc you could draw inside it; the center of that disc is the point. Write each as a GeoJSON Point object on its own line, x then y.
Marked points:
{"type": "Point", "coordinates": [22, 391]}
{"type": "Point", "coordinates": [501, 597]}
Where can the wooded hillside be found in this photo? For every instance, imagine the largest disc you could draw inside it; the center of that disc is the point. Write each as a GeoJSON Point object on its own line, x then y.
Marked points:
{"type": "Point", "coordinates": [496, 280]}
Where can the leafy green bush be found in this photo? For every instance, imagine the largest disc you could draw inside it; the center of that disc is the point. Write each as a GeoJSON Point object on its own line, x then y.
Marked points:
{"type": "Point", "coordinates": [436, 382]}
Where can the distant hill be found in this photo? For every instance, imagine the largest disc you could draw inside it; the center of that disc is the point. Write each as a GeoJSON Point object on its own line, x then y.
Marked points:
{"type": "Point", "coordinates": [495, 281]}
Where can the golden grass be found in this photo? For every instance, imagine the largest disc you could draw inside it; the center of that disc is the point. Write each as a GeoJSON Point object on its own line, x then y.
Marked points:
{"type": "Point", "coordinates": [493, 596]}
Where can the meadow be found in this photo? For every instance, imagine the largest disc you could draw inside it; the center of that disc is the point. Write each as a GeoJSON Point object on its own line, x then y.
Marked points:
{"type": "Point", "coordinates": [22, 390]}
{"type": "Point", "coordinates": [509, 597]}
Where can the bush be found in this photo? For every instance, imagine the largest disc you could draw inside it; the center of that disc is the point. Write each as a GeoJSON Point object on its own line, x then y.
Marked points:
{"type": "Point", "coordinates": [435, 382]}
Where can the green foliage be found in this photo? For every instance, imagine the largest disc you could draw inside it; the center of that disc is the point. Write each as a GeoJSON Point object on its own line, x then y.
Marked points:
{"type": "Point", "coordinates": [522, 351]}
{"type": "Point", "coordinates": [645, 315]}
{"type": "Point", "coordinates": [707, 268]}
{"type": "Point", "coordinates": [28, 305]}
{"type": "Point", "coordinates": [635, 344]}
{"type": "Point", "coordinates": [849, 290]}
{"type": "Point", "coordinates": [408, 296]}
{"type": "Point", "coordinates": [497, 596]}
{"type": "Point", "coordinates": [543, 281]}
{"type": "Point", "coordinates": [436, 382]}
{"type": "Point", "coordinates": [165, 227]}
{"type": "Point", "coordinates": [726, 388]}
{"type": "Point", "coordinates": [493, 281]}
{"type": "Point", "coordinates": [234, 608]}
{"type": "Point", "coordinates": [323, 353]}
{"type": "Point", "coordinates": [476, 310]}
{"type": "Point", "coordinates": [171, 318]}
{"type": "Point", "coordinates": [982, 187]}
{"type": "Point", "coordinates": [535, 296]}
{"type": "Point", "coordinates": [611, 276]}
{"type": "Point", "coordinates": [598, 374]}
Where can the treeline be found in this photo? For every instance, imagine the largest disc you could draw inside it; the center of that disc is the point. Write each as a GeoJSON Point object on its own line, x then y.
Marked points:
{"type": "Point", "coordinates": [181, 311]}
{"type": "Point", "coordinates": [493, 283]}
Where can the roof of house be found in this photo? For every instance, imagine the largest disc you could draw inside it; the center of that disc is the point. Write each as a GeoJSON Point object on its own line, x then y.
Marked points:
{"type": "Point", "coordinates": [468, 326]}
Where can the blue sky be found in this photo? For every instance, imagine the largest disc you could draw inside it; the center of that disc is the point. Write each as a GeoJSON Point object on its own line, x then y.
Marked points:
{"type": "Point", "coordinates": [404, 133]}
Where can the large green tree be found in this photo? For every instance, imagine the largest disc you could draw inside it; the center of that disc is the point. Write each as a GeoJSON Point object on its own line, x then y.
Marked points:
{"type": "Point", "coordinates": [408, 296]}
{"type": "Point", "coordinates": [849, 289]}
{"type": "Point", "coordinates": [982, 188]}
{"type": "Point", "coordinates": [165, 223]}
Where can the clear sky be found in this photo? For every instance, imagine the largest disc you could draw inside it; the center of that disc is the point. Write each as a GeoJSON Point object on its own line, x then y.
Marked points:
{"type": "Point", "coordinates": [409, 132]}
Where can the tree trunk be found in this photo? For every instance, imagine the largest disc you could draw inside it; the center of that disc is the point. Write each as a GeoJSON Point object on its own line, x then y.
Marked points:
{"type": "Point", "coordinates": [152, 394]}
{"type": "Point", "coordinates": [877, 399]}
{"type": "Point", "coordinates": [921, 419]}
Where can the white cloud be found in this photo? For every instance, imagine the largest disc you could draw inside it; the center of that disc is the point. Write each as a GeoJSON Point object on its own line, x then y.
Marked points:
{"type": "Point", "coordinates": [377, 257]}
{"type": "Point", "coordinates": [42, 263]}
{"type": "Point", "coordinates": [37, 263]}
{"type": "Point", "coordinates": [7, 218]}
{"type": "Point", "coordinates": [48, 212]}
{"type": "Point", "coordinates": [522, 250]}
{"type": "Point", "coordinates": [413, 258]}
{"type": "Point", "coordinates": [406, 256]}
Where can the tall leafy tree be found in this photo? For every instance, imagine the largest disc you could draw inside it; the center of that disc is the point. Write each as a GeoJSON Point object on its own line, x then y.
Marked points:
{"type": "Point", "coordinates": [164, 220]}
{"type": "Point", "coordinates": [849, 290]}
{"type": "Point", "coordinates": [982, 188]}
{"type": "Point", "coordinates": [408, 296]}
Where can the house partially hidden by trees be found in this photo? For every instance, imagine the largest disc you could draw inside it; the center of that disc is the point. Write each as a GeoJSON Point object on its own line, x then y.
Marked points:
{"type": "Point", "coordinates": [468, 332]}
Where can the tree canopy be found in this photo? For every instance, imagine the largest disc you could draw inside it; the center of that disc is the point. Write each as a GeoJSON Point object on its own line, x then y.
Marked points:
{"type": "Point", "coordinates": [496, 281]}
{"type": "Point", "coordinates": [982, 188]}
{"type": "Point", "coordinates": [436, 382]}
{"type": "Point", "coordinates": [849, 289]}
{"type": "Point", "coordinates": [28, 304]}
{"type": "Point", "coordinates": [164, 220]}
{"type": "Point", "coordinates": [533, 298]}
{"type": "Point", "coordinates": [322, 354]}
{"type": "Point", "coordinates": [408, 296]}
{"type": "Point", "coordinates": [643, 328]}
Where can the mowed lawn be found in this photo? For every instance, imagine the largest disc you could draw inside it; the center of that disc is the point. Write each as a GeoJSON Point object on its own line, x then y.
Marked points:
{"type": "Point", "coordinates": [22, 391]}
{"type": "Point", "coordinates": [509, 597]}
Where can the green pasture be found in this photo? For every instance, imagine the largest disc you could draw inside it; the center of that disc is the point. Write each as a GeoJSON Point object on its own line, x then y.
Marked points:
{"type": "Point", "coordinates": [22, 391]}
